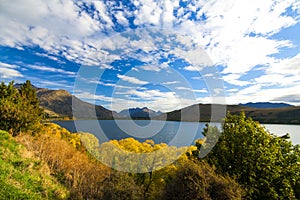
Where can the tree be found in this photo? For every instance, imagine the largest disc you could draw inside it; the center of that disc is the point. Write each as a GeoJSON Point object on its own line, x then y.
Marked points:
{"type": "Point", "coordinates": [19, 109]}
{"type": "Point", "coordinates": [266, 165]}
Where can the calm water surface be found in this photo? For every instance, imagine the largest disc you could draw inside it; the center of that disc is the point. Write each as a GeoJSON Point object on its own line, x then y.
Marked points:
{"type": "Point", "coordinates": [169, 132]}
{"type": "Point", "coordinates": [282, 129]}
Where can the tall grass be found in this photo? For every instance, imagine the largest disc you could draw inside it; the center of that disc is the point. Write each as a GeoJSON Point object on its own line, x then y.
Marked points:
{"type": "Point", "coordinates": [22, 176]}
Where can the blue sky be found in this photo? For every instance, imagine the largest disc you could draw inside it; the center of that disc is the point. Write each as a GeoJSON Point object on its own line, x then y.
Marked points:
{"type": "Point", "coordinates": [164, 54]}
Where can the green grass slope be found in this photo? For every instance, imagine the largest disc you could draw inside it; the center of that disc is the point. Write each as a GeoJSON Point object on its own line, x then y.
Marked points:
{"type": "Point", "coordinates": [22, 176]}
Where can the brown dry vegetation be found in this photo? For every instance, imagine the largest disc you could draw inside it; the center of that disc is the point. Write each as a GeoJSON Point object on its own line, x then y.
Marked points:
{"type": "Point", "coordinates": [71, 167]}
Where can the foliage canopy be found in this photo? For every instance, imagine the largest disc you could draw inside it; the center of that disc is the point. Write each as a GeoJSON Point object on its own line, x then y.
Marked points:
{"type": "Point", "coordinates": [19, 108]}
{"type": "Point", "coordinates": [267, 166]}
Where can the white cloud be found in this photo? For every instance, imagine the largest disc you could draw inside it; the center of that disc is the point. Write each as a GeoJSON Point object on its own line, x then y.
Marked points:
{"type": "Point", "coordinates": [182, 88]}
{"type": "Point", "coordinates": [151, 68]}
{"type": "Point", "coordinates": [282, 72]}
{"type": "Point", "coordinates": [236, 34]}
{"type": "Point", "coordinates": [50, 69]}
{"type": "Point", "coordinates": [131, 79]}
{"type": "Point", "coordinates": [121, 19]}
{"type": "Point", "coordinates": [257, 94]}
{"type": "Point", "coordinates": [148, 12]}
{"type": "Point", "coordinates": [250, 90]}
{"type": "Point", "coordinates": [9, 71]}
{"type": "Point", "coordinates": [287, 66]}
{"type": "Point", "coordinates": [200, 91]}
{"type": "Point", "coordinates": [234, 80]}
{"type": "Point", "coordinates": [229, 23]}
{"type": "Point", "coordinates": [192, 68]}
{"type": "Point", "coordinates": [56, 26]}
{"type": "Point", "coordinates": [170, 82]}
{"type": "Point", "coordinates": [197, 78]}
{"type": "Point", "coordinates": [192, 90]}
{"type": "Point", "coordinates": [93, 97]}
{"type": "Point", "coordinates": [47, 56]}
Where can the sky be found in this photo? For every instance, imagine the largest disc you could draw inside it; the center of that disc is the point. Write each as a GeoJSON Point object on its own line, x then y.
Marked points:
{"type": "Point", "coordinates": [165, 54]}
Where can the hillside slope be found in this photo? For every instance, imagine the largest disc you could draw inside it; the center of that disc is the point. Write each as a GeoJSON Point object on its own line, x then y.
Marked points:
{"type": "Point", "coordinates": [23, 176]}
{"type": "Point", "coordinates": [59, 103]}
{"type": "Point", "coordinates": [266, 105]}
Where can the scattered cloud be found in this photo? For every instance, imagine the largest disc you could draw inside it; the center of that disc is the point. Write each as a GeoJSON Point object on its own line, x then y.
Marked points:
{"type": "Point", "coordinates": [151, 68]}
{"type": "Point", "coordinates": [170, 82]}
{"type": "Point", "coordinates": [51, 69]}
{"type": "Point", "coordinates": [282, 72]}
{"type": "Point", "coordinates": [192, 90]}
{"type": "Point", "coordinates": [265, 95]}
{"type": "Point", "coordinates": [93, 97]}
{"type": "Point", "coordinates": [9, 71]}
{"type": "Point", "coordinates": [236, 35]}
{"type": "Point", "coordinates": [197, 78]}
{"type": "Point", "coordinates": [200, 91]}
{"type": "Point", "coordinates": [132, 80]}
{"type": "Point", "coordinates": [192, 68]}
{"type": "Point", "coordinates": [234, 80]}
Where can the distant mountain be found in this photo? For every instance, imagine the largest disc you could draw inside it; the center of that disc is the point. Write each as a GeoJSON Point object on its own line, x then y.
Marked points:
{"type": "Point", "coordinates": [59, 103]}
{"type": "Point", "coordinates": [284, 115]}
{"type": "Point", "coordinates": [266, 105]}
{"type": "Point", "coordinates": [135, 113]}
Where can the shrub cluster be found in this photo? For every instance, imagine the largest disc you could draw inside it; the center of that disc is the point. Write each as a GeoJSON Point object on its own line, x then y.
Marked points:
{"type": "Point", "coordinates": [267, 166]}
{"type": "Point", "coordinates": [19, 108]}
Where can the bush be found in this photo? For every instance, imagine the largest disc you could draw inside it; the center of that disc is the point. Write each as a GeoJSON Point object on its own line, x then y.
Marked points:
{"type": "Point", "coordinates": [199, 181]}
{"type": "Point", "coordinates": [267, 166]}
{"type": "Point", "coordinates": [19, 108]}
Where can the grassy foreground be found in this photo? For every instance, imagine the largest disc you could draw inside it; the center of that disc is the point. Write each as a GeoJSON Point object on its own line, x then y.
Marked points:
{"type": "Point", "coordinates": [23, 176]}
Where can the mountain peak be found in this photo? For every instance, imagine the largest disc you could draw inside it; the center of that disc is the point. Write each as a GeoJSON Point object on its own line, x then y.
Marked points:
{"type": "Point", "coordinates": [61, 103]}
{"type": "Point", "coordinates": [137, 112]}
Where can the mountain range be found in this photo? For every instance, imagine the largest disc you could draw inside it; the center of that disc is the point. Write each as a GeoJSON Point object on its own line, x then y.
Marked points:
{"type": "Point", "coordinates": [134, 113]}
{"type": "Point", "coordinates": [279, 115]}
{"type": "Point", "coordinates": [58, 103]}
{"type": "Point", "coordinates": [265, 105]}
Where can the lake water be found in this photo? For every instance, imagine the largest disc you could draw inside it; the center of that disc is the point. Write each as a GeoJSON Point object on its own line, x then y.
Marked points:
{"type": "Point", "coordinates": [282, 129]}
{"type": "Point", "coordinates": [169, 132]}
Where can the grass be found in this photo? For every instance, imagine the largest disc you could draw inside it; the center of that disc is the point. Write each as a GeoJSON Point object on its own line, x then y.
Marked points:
{"type": "Point", "coordinates": [22, 176]}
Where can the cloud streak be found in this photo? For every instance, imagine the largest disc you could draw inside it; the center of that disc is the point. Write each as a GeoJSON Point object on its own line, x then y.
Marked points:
{"type": "Point", "coordinates": [51, 69]}
{"type": "Point", "coordinates": [132, 80]}
{"type": "Point", "coordinates": [9, 71]}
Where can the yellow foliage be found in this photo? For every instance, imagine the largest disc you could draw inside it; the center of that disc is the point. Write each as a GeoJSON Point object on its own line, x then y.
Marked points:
{"type": "Point", "coordinates": [62, 133]}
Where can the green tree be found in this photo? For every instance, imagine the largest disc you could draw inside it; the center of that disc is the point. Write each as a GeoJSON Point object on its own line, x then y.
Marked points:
{"type": "Point", "coordinates": [19, 109]}
{"type": "Point", "coordinates": [266, 165]}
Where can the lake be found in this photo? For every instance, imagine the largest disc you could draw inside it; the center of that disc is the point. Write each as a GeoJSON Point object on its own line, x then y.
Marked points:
{"type": "Point", "coordinates": [282, 129]}
{"type": "Point", "coordinates": [169, 132]}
